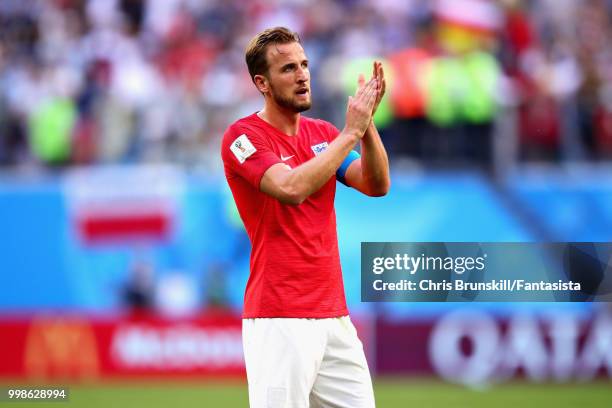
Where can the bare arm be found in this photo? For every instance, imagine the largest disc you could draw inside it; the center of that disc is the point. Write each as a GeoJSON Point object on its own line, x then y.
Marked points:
{"type": "Point", "coordinates": [293, 186]}
{"type": "Point", "coordinates": [370, 173]}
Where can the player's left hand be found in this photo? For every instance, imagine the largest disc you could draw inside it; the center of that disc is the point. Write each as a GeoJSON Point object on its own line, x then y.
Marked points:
{"type": "Point", "coordinates": [379, 74]}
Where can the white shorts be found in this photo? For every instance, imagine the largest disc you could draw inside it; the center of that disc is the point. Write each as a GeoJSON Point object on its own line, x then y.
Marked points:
{"type": "Point", "coordinates": [301, 363]}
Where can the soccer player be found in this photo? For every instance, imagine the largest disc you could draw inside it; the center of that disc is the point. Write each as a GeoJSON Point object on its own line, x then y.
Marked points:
{"type": "Point", "coordinates": [300, 347]}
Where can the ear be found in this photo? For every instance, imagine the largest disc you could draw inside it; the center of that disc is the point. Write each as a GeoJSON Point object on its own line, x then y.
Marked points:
{"type": "Point", "coordinates": [262, 84]}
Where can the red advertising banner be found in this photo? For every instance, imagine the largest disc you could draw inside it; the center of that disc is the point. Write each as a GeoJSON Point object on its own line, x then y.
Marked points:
{"type": "Point", "coordinates": [78, 348]}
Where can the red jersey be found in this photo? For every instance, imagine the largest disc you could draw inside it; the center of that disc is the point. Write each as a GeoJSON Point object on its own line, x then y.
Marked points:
{"type": "Point", "coordinates": [295, 266]}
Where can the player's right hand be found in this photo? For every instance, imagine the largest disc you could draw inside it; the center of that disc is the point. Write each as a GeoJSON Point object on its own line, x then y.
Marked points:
{"type": "Point", "coordinates": [360, 106]}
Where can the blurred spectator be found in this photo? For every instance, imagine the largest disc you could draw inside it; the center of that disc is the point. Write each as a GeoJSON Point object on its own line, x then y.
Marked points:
{"type": "Point", "coordinates": [216, 294]}
{"type": "Point", "coordinates": [138, 293]}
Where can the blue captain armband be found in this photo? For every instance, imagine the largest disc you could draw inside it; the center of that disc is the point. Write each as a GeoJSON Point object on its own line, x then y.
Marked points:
{"type": "Point", "coordinates": [341, 172]}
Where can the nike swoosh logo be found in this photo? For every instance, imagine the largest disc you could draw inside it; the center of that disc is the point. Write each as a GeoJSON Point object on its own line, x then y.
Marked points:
{"type": "Point", "coordinates": [283, 158]}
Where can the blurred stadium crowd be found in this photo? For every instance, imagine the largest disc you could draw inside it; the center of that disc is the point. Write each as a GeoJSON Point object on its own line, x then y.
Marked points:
{"type": "Point", "coordinates": [137, 81]}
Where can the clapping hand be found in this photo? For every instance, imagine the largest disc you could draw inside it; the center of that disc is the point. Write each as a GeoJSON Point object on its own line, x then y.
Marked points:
{"type": "Point", "coordinates": [378, 73]}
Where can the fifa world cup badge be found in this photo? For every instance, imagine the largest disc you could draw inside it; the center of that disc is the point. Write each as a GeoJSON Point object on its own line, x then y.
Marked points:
{"type": "Point", "coordinates": [242, 148]}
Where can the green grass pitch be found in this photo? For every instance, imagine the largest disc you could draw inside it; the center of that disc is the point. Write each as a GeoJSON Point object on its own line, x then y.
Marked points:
{"type": "Point", "coordinates": [390, 393]}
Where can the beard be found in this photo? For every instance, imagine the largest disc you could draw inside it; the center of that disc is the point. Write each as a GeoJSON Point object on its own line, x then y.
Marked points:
{"type": "Point", "coordinates": [290, 102]}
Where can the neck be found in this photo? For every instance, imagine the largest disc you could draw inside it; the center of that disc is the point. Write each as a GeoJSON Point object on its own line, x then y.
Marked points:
{"type": "Point", "coordinates": [285, 120]}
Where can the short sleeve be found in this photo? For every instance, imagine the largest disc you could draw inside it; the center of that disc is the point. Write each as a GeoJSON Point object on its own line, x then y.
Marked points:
{"type": "Point", "coordinates": [246, 154]}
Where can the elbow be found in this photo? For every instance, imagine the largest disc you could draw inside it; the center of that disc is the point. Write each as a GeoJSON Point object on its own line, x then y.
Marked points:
{"type": "Point", "coordinates": [378, 193]}
{"type": "Point", "coordinates": [283, 185]}
{"type": "Point", "coordinates": [292, 200]}
{"type": "Point", "coordinates": [381, 189]}
{"type": "Point", "coordinates": [291, 196]}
